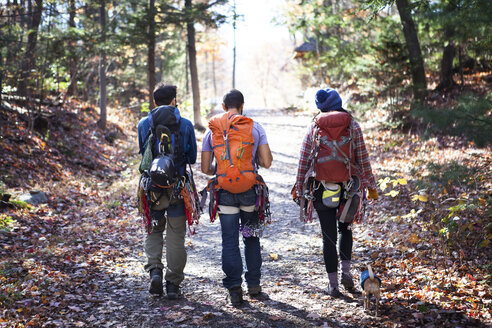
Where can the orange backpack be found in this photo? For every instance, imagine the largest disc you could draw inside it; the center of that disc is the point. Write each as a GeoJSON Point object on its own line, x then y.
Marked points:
{"type": "Point", "coordinates": [232, 143]}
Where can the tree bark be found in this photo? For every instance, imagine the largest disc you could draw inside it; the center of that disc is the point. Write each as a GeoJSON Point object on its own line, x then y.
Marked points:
{"type": "Point", "coordinates": [446, 79]}
{"type": "Point", "coordinates": [30, 55]}
{"type": "Point", "coordinates": [102, 67]}
{"type": "Point", "coordinates": [1, 77]}
{"type": "Point", "coordinates": [151, 53]}
{"type": "Point", "coordinates": [195, 88]}
{"type": "Point", "coordinates": [413, 47]}
{"type": "Point", "coordinates": [73, 60]}
{"type": "Point", "coordinates": [214, 79]}
{"type": "Point", "coordinates": [187, 71]}
{"type": "Point", "coordinates": [234, 48]}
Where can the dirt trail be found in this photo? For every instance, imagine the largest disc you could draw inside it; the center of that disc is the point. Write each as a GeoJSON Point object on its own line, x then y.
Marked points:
{"type": "Point", "coordinates": [294, 276]}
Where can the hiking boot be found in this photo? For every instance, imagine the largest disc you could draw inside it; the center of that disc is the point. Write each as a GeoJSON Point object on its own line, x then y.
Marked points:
{"type": "Point", "coordinates": [172, 291]}
{"type": "Point", "coordinates": [254, 290]}
{"type": "Point", "coordinates": [347, 281]}
{"type": "Point", "coordinates": [333, 292]}
{"type": "Point", "coordinates": [236, 296]}
{"type": "Point", "coordinates": [156, 281]}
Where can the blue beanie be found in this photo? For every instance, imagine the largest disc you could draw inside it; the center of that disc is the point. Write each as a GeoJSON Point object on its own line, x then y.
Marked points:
{"type": "Point", "coordinates": [328, 99]}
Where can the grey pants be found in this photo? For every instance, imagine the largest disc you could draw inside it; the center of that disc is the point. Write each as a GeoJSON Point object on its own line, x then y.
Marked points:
{"type": "Point", "coordinates": [175, 247]}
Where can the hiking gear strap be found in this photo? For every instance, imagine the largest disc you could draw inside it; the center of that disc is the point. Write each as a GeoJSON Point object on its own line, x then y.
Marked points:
{"type": "Point", "coordinates": [345, 209]}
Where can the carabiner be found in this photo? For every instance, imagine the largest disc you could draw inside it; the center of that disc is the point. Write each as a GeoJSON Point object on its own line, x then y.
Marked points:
{"type": "Point", "coordinates": [240, 152]}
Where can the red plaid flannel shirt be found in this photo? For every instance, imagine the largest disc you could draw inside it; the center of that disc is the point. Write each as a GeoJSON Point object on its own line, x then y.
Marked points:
{"type": "Point", "coordinates": [361, 158]}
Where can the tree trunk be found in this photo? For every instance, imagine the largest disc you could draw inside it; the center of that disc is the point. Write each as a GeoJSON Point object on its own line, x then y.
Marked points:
{"type": "Point", "coordinates": [195, 88]}
{"type": "Point", "coordinates": [234, 48]}
{"type": "Point", "coordinates": [187, 72]}
{"type": "Point", "coordinates": [413, 47]}
{"type": "Point", "coordinates": [214, 79]}
{"type": "Point", "coordinates": [30, 55]}
{"type": "Point", "coordinates": [446, 78]}
{"type": "Point", "coordinates": [151, 53]}
{"type": "Point", "coordinates": [158, 71]}
{"type": "Point", "coordinates": [1, 77]}
{"type": "Point", "coordinates": [73, 60]}
{"type": "Point", "coordinates": [460, 59]}
{"type": "Point", "coordinates": [102, 67]}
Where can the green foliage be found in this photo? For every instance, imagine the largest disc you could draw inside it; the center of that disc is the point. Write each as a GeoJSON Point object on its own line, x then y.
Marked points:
{"type": "Point", "coordinates": [460, 220]}
{"type": "Point", "coordinates": [6, 222]}
{"type": "Point", "coordinates": [470, 117]}
{"type": "Point", "coordinates": [3, 187]}
{"type": "Point", "coordinates": [113, 204]}
{"type": "Point", "coordinates": [10, 294]}
{"type": "Point", "coordinates": [360, 45]}
{"type": "Point", "coordinates": [58, 46]}
{"type": "Point", "coordinates": [21, 204]}
{"type": "Point", "coordinates": [344, 38]}
{"type": "Point", "coordinates": [452, 173]}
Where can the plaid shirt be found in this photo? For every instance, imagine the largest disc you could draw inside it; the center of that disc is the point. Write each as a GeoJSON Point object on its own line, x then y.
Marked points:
{"type": "Point", "coordinates": [364, 170]}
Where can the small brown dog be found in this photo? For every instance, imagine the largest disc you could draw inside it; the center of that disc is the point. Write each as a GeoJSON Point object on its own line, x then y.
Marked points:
{"type": "Point", "coordinates": [370, 286]}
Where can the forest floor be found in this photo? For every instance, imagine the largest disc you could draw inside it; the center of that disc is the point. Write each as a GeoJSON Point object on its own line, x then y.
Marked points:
{"type": "Point", "coordinates": [77, 261]}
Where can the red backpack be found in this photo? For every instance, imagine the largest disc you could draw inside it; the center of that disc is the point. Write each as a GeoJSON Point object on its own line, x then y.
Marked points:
{"type": "Point", "coordinates": [336, 152]}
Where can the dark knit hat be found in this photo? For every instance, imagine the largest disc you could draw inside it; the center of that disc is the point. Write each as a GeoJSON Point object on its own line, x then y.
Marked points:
{"type": "Point", "coordinates": [328, 99]}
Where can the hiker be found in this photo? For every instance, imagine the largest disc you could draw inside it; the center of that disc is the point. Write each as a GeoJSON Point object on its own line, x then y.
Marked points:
{"type": "Point", "coordinates": [333, 167]}
{"type": "Point", "coordinates": [166, 210]}
{"type": "Point", "coordinates": [239, 145]}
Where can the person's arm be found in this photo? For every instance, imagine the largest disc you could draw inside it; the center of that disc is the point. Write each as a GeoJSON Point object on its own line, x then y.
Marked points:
{"type": "Point", "coordinates": [205, 165]}
{"type": "Point", "coordinates": [303, 167]}
{"type": "Point", "coordinates": [362, 160]}
{"type": "Point", "coordinates": [141, 132]}
{"type": "Point", "coordinates": [263, 154]}
{"type": "Point", "coordinates": [265, 157]}
{"type": "Point", "coordinates": [192, 148]}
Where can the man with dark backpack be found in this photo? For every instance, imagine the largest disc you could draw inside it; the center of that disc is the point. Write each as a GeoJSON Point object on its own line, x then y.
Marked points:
{"type": "Point", "coordinates": [239, 145]}
{"type": "Point", "coordinates": [332, 175]}
{"type": "Point", "coordinates": [167, 144]}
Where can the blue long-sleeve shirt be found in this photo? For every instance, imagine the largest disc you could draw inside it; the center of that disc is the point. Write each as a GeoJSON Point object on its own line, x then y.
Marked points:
{"type": "Point", "coordinates": [187, 139]}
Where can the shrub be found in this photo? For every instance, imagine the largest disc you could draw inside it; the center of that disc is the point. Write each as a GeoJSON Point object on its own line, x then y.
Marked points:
{"type": "Point", "coordinates": [470, 117]}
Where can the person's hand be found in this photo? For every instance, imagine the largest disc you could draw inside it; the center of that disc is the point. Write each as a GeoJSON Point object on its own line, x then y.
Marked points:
{"type": "Point", "coordinates": [293, 193]}
{"type": "Point", "coordinates": [372, 194]}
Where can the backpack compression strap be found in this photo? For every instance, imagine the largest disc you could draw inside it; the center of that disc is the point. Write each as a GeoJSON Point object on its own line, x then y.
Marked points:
{"type": "Point", "coordinates": [226, 155]}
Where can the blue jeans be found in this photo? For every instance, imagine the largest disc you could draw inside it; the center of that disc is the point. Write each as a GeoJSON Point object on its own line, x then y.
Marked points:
{"type": "Point", "coordinates": [239, 208]}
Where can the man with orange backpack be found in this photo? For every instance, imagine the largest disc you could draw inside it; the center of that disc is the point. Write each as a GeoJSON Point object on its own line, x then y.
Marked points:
{"type": "Point", "coordinates": [239, 145]}
{"type": "Point", "coordinates": [332, 175]}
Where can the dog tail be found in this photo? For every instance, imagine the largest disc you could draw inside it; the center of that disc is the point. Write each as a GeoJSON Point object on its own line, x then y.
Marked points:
{"type": "Point", "coordinates": [371, 274]}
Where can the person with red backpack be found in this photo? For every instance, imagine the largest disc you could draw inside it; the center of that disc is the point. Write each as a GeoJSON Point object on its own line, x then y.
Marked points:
{"type": "Point", "coordinates": [333, 173]}
{"type": "Point", "coordinates": [239, 146]}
